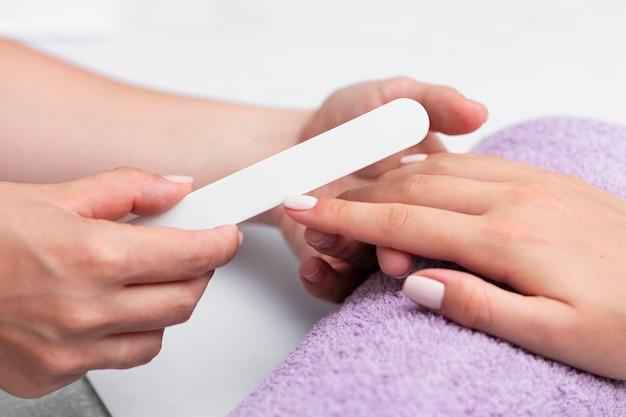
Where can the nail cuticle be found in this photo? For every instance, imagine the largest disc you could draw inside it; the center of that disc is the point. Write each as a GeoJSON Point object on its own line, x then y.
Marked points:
{"type": "Point", "coordinates": [312, 277]}
{"type": "Point", "coordinates": [324, 243]}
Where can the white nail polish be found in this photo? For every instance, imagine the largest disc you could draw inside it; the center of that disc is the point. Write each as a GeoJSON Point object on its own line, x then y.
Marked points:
{"type": "Point", "coordinates": [300, 202]}
{"type": "Point", "coordinates": [416, 157]}
{"type": "Point", "coordinates": [179, 179]}
{"type": "Point", "coordinates": [424, 291]}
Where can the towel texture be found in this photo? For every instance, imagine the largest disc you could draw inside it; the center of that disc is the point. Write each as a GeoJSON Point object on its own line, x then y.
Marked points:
{"type": "Point", "coordinates": [379, 355]}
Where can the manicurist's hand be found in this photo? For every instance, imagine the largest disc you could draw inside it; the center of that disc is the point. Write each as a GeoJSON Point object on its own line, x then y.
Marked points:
{"type": "Point", "coordinates": [337, 265]}
{"type": "Point", "coordinates": [557, 242]}
{"type": "Point", "coordinates": [79, 291]}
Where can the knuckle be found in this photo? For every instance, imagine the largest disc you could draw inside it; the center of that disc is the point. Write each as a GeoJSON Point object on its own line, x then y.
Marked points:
{"type": "Point", "coordinates": [74, 319]}
{"type": "Point", "coordinates": [349, 194]}
{"type": "Point", "coordinates": [200, 263]}
{"type": "Point", "coordinates": [125, 172]}
{"type": "Point", "coordinates": [441, 163]}
{"type": "Point", "coordinates": [412, 184]}
{"type": "Point", "coordinates": [207, 255]}
{"type": "Point", "coordinates": [538, 190]}
{"type": "Point", "coordinates": [402, 80]}
{"type": "Point", "coordinates": [398, 86]}
{"type": "Point", "coordinates": [103, 258]}
{"type": "Point", "coordinates": [212, 251]}
{"type": "Point", "coordinates": [392, 218]}
{"type": "Point", "coordinates": [504, 231]}
{"type": "Point", "coordinates": [337, 209]}
{"type": "Point", "coordinates": [384, 177]}
{"type": "Point", "coordinates": [184, 306]}
{"type": "Point", "coordinates": [53, 361]}
{"type": "Point", "coordinates": [550, 333]}
{"type": "Point", "coordinates": [476, 308]}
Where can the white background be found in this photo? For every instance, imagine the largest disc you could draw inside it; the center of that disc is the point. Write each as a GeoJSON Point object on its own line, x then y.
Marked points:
{"type": "Point", "coordinates": [522, 59]}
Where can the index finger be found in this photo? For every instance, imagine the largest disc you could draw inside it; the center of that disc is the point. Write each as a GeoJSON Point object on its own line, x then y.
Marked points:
{"type": "Point", "coordinates": [139, 255]}
{"type": "Point", "coordinates": [422, 231]}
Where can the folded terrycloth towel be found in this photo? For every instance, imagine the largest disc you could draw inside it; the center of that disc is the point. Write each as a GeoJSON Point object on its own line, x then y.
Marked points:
{"type": "Point", "coordinates": [379, 355]}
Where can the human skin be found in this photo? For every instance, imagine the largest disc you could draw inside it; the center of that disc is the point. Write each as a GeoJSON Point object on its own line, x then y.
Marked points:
{"type": "Point", "coordinates": [79, 291]}
{"type": "Point", "coordinates": [68, 273]}
{"type": "Point", "coordinates": [552, 246]}
{"type": "Point", "coordinates": [59, 123]}
{"type": "Point", "coordinates": [344, 263]}
{"type": "Point", "coordinates": [50, 110]}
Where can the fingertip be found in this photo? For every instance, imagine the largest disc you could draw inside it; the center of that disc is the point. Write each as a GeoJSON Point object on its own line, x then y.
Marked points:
{"type": "Point", "coordinates": [476, 114]}
{"type": "Point", "coordinates": [301, 207]}
{"type": "Point", "coordinates": [480, 110]}
{"type": "Point", "coordinates": [231, 238]}
{"type": "Point", "coordinates": [394, 263]}
{"type": "Point", "coordinates": [310, 270]}
{"type": "Point", "coordinates": [455, 114]}
{"type": "Point", "coordinates": [468, 115]}
{"type": "Point", "coordinates": [300, 202]}
{"type": "Point", "coordinates": [317, 277]}
{"type": "Point", "coordinates": [424, 291]}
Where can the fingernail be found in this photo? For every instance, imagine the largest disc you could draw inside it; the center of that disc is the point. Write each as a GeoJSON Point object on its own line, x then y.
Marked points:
{"type": "Point", "coordinates": [240, 238]}
{"type": "Point", "coordinates": [313, 275]}
{"type": "Point", "coordinates": [424, 291]}
{"type": "Point", "coordinates": [319, 239]}
{"type": "Point", "coordinates": [179, 179]}
{"type": "Point", "coordinates": [300, 202]}
{"type": "Point", "coordinates": [408, 159]}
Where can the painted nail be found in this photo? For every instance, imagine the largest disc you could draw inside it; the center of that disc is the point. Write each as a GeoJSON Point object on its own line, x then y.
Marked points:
{"type": "Point", "coordinates": [300, 202]}
{"type": "Point", "coordinates": [424, 291]}
{"type": "Point", "coordinates": [416, 157]}
{"type": "Point", "coordinates": [179, 179]}
{"type": "Point", "coordinates": [319, 239]}
{"type": "Point", "coordinates": [313, 276]}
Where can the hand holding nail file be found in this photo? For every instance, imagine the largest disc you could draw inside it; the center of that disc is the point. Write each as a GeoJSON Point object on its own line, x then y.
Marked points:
{"type": "Point", "coordinates": [300, 169]}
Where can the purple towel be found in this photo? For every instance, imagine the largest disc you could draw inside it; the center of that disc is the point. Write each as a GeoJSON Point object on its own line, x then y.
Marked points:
{"type": "Point", "coordinates": [379, 355]}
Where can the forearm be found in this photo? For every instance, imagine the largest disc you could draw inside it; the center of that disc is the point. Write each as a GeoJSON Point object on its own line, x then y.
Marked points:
{"type": "Point", "coordinates": [58, 122]}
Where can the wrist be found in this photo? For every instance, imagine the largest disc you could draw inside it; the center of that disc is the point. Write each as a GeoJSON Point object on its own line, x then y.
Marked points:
{"type": "Point", "coordinates": [245, 135]}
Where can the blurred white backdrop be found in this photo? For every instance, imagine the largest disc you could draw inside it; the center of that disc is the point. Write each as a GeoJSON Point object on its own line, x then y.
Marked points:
{"type": "Point", "coordinates": [522, 59]}
{"type": "Point", "coordinates": [57, 19]}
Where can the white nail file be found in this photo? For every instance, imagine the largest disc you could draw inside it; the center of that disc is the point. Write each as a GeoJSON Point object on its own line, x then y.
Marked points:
{"type": "Point", "coordinates": [300, 169]}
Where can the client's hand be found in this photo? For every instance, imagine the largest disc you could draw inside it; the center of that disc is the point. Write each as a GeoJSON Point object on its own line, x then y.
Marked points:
{"type": "Point", "coordinates": [558, 242]}
{"type": "Point", "coordinates": [450, 113]}
{"type": "Point", "coordinates": [80, 292]}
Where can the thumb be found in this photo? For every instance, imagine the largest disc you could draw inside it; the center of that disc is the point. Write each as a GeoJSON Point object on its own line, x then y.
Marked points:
{"type": "Point", "coordinates": [468, 300]}
{"type": "Point", "coordinates": [114, 194]}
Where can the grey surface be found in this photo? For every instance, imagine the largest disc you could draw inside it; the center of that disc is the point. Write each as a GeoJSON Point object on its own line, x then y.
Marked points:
{"type": "Point", "coordinates": [76, 400]}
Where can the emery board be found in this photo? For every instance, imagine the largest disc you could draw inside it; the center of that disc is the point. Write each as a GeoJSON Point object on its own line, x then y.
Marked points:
{"type": "Point", "coordinates": [340, 151]}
